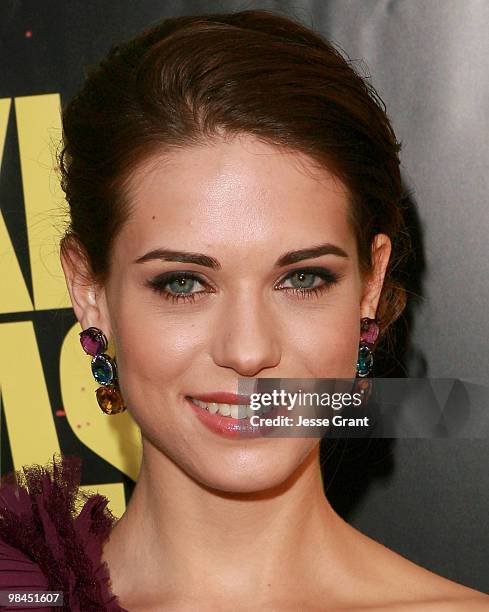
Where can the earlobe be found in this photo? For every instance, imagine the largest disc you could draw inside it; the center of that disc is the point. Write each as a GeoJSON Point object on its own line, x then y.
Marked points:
{"type": "Point", "coordinates": [82, 288]}
{"type": "Point", "coordinates": [381, 251]}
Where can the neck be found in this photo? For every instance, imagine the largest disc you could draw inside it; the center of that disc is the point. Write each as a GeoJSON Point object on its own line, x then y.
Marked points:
{"type": "Point", "coordinates": [182, 533]}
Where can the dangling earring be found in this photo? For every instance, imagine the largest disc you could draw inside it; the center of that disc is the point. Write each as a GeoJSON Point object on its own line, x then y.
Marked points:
{"type": "Point", "coordinates": [104, 370]}
{"type": "Point", "coordinates": [369, 332]}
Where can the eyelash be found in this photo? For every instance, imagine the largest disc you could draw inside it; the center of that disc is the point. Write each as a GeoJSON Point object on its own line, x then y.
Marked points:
{"type": "Point", "coordinates": [159, 283]}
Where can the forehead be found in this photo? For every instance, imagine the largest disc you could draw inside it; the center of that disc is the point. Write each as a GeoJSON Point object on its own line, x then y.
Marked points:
{"type": "Point", "coordinates": [240, 191]}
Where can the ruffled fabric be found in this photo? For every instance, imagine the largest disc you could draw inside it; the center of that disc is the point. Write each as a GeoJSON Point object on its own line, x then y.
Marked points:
{"type": "Point", "coordinates": [52, 534]}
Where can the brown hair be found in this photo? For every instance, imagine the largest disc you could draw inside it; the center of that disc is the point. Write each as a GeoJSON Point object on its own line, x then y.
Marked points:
{"type": "Point", "coordinates": [190, 79]}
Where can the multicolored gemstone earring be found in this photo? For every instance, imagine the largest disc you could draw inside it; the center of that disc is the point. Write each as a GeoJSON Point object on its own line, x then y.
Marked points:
{"type": "Point", "coordinates": [369, 332]}
{"type": "Point", "coordinates": [104, 370]}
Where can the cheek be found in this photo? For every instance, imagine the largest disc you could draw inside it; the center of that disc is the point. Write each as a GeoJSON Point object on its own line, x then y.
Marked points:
{"type": "Point", "coordinates": [325, 342]}
{"type": "Point", "coordinates": [154, 350]}
{"type": "Point", "coordinates": [155, 353]}
{"type": "Point", "coordinates": [331, 352]}
{"type": "Point", "coordinates": [156, 357]}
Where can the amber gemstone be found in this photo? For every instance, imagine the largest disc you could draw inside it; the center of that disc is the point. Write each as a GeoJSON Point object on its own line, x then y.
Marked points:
{"type": "Point", "coordinates": [110, 399]}
{"type": "Point", "coordinates": [364, 387]}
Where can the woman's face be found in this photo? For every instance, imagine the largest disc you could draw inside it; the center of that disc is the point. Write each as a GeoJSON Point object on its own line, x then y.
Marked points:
{"type": "Point", "coordinates": [243, 205]}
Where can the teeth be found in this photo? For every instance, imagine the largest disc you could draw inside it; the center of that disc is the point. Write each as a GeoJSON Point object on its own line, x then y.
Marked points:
{"type": "Point", "coordinates": [233, 410]}
{"type": "Point", "coordinates": [224, 409]}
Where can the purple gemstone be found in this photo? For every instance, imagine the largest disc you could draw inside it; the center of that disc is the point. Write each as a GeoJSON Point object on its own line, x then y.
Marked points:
{"type": "Point", "coordinates": [369, 331]}
{"type": "Point", "coordinates": [93, 341]}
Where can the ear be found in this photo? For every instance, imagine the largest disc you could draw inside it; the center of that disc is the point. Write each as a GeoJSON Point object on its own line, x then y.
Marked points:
{"type": "Point", "coordinates": [381, 251]}
{"type": "Point", "coordinates": [87, 295]}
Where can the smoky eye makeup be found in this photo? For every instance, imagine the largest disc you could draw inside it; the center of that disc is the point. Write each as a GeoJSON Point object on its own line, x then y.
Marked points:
{"type": "Point", "coordinates": [305, 283]}
{"type": "Point", "coordinates": [187, 286]}
{"type": "Point", "coordinates": [177, 286]}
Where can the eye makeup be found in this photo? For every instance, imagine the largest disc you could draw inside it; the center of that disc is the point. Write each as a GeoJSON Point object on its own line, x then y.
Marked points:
{"type": "Point", "coordinates": [186, 280]}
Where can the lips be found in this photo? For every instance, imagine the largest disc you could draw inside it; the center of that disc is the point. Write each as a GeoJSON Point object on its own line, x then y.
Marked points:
{"type": "Point", "coordinates": [209, 413]}
{"type": "Point", "coordinates": [223, 397]}
{"type": "Point", "coordinates": [226, 426]}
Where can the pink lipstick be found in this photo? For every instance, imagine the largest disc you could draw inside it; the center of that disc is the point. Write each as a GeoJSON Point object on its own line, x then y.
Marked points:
{"type": "Point", "coordinates": [226, 426]}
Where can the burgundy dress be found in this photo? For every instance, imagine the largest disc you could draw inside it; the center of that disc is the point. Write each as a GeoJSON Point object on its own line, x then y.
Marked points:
{"type": "Point", "coordinates": [47, 543]}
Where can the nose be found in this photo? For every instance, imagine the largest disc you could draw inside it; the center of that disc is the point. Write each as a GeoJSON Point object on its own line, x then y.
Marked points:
{"type": "Point", "coordinates": [248, 339]}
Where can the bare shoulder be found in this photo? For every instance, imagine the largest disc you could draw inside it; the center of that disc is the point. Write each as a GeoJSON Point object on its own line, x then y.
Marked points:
{"type": "Point", "coordinates": [439, 594]}
{"type": "Point", "coordinates": [438, 598]}
{"type": "Point", "coordinates": [470, 603]}
{"type": "Point", "coordinates": [468, 600]}
{"type": "Point", "coordinates": [408, 587]}
{"type": "Point", "coordinates": [478, 603]}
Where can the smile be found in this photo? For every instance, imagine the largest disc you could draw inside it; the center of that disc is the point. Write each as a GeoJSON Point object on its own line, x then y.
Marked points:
{"type": "Point", "coordinates": [235, 411]}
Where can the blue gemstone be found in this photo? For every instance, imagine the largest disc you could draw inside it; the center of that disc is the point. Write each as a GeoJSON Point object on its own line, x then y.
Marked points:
{"type": "Point", "coordinates": [103, 369]}
{"type": "Point", "coordinates": [365, 360]}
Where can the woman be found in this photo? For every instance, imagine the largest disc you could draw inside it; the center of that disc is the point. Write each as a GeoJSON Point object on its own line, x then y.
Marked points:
{"type": "Point", "coordinates": [236, 213]}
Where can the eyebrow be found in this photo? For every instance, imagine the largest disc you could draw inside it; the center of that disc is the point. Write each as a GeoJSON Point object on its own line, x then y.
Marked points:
{"type": "Point", "coordinates": [210, 262]}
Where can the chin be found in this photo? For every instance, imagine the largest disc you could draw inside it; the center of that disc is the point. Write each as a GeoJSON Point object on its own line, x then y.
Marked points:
{"type": "Point", "coordinates": [251, 468]}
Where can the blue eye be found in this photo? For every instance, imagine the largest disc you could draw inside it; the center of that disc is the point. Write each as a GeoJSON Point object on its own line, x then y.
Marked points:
{"type": "Point", "coordinates": [306, 283]}
{"type": "Point", "coordinates": [180, 285]}
{"type": "Point", "coordinates": [304, 277]}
